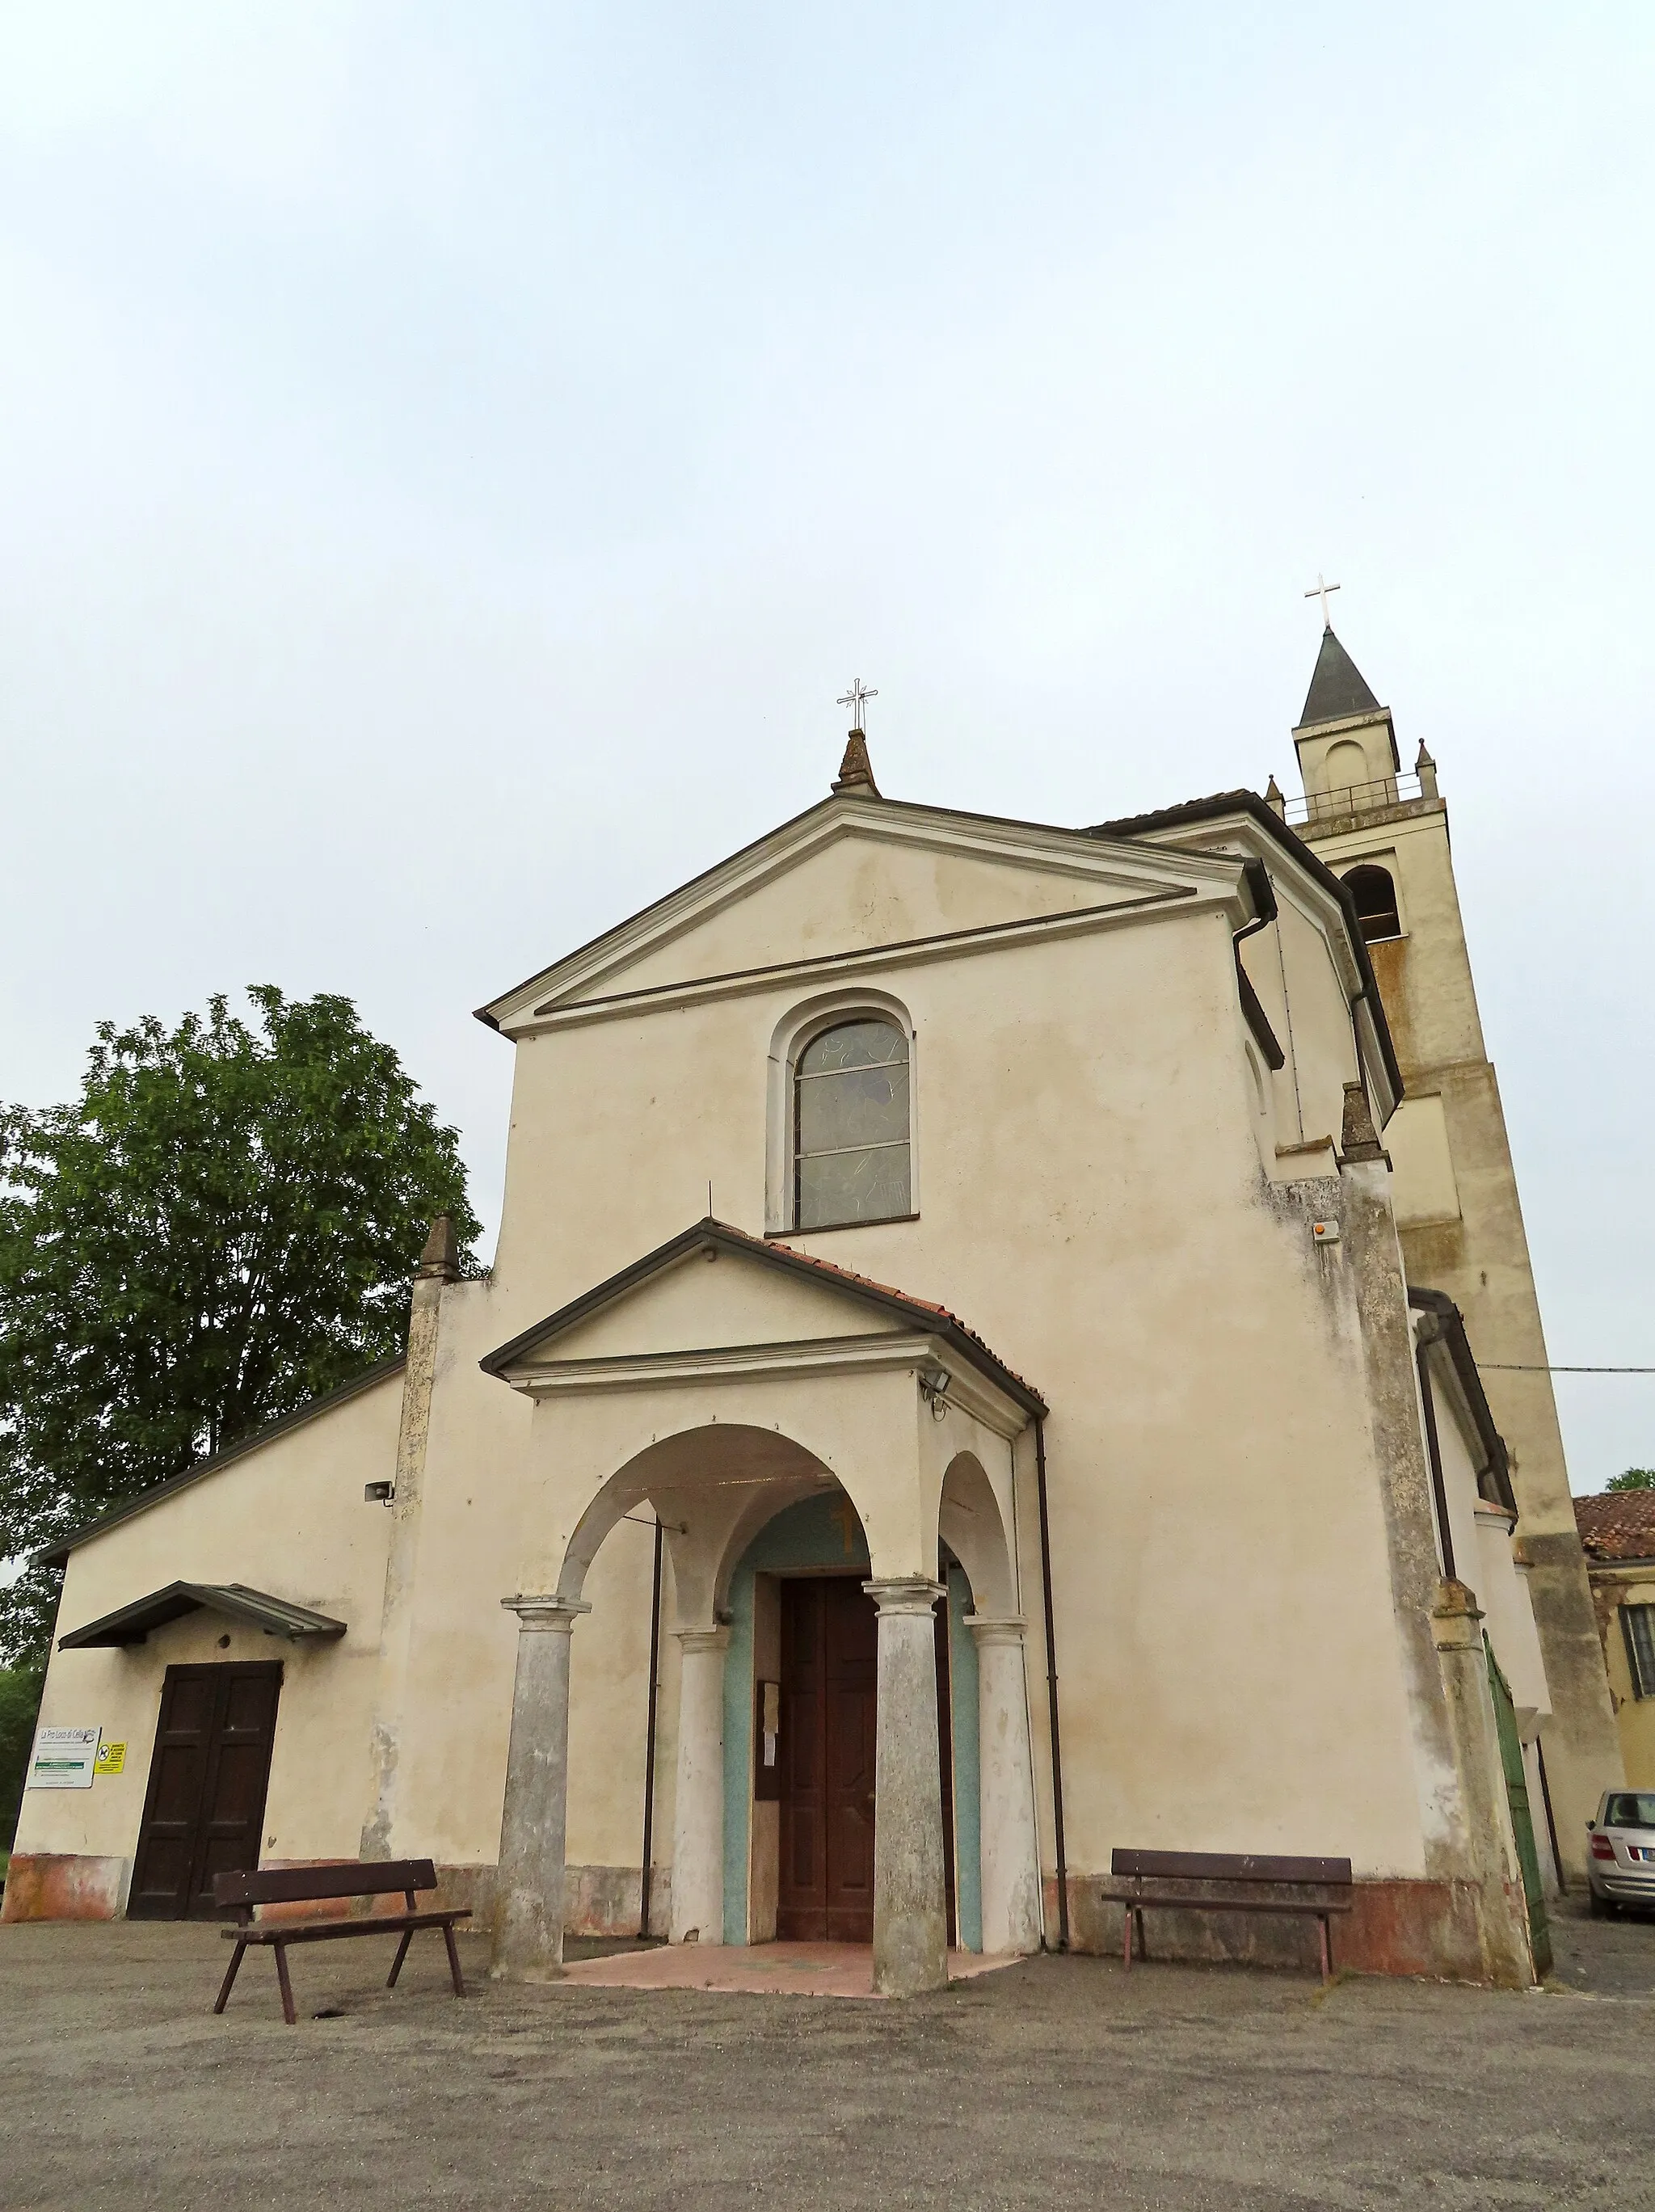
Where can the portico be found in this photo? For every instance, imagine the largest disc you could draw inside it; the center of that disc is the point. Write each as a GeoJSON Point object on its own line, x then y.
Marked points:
{"type": "Point", "coordinates": [717, 1384]}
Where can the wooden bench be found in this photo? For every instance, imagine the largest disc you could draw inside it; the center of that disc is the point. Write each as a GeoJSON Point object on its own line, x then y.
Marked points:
{"type": "Point", "coordinates": [241, 1892]}
{"type": "Point", "coordinates": [1227, 1882]}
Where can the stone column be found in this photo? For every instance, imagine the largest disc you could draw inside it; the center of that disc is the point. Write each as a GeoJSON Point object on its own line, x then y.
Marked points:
{"type": "Point", "coordinates": [529, 1893]}
{"type": "Point", "coordinates": [910, 1902]}
{"type": "Point", "coordinates": [1456, 1630]}
{"type": "Point", "coordinates": [698, 1827]}
{"type": "Point", "coordinates": [1010, 1852]}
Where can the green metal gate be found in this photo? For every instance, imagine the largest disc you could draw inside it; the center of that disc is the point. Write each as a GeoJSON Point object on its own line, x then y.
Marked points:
{"type": "Point", "coordinates": [1516, 1793]}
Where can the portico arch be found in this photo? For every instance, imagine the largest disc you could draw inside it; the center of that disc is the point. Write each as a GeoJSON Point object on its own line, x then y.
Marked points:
{"type": "Point", "coordinates": [715, 1381]}
{"type": "Point", "coordinates": [971, 1524]}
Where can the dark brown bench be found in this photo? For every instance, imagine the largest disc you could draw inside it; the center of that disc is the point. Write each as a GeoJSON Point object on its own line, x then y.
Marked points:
{"type": "Point", "coordinates": [241, 1892]}
{"type": "Point", "coordinates": [1228, 1881]}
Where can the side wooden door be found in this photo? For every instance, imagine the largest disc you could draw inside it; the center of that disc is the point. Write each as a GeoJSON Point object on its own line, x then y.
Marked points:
{"type": "Point", "coordinates": [205, 1809]}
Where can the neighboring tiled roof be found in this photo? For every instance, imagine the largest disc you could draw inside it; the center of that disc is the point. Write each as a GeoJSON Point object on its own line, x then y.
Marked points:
{"type": "Point", "coordinates": [1338, 687]}
{"type": "Point", "coordinates": [1618, 1524]}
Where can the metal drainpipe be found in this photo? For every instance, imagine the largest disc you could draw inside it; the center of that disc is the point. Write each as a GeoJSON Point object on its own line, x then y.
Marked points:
{"type": "Point", "coordinates": [1051, 1684]}
{"type": "Point", "coordinates": [1425, 1337]}
{"type": "Point", "coordinates": [649, 1744]}
{"type": "Point", "coordinates": [1551, 1819]}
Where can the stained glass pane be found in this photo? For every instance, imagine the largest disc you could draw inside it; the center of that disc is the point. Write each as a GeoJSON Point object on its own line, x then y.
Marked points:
{"type": "Point", "coordinates": [837, 1186]}
{"type": "Point", "coordinates": [851, 1127]}
{"type": "Point", "coordinates": [859, 1106]}
{"type": "Point", "coordinates": [854, 1044]}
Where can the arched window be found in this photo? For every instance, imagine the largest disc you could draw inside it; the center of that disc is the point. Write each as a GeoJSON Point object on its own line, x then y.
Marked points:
{"type": "Point", "coordinates": [851, 1159]}
{"type": "Point", "coordinates": [1375, 895]}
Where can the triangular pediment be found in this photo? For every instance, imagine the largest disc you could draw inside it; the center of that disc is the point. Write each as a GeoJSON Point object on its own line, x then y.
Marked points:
{"type": "Point", "coordinates": [855, 878]}
{"type": "Point", "coordinates": [716, 1289]}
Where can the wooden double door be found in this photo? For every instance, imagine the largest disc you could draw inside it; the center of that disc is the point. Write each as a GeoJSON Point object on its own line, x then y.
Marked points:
{"type": "Point", "coordinates": [827, 1759]}
{"type": "Point", "coordinates": [829, 1674]}
{"type": "Point", "coordinates": [208, 1776]}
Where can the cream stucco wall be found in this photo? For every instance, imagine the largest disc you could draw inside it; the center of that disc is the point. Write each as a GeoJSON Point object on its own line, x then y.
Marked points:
{"type": "Point", "coordinates": [1094, 1205]}
{"type": "Point", "coordinates": [1090, 1176]}
{"type": "Point", "coordinates": [287, 1518]}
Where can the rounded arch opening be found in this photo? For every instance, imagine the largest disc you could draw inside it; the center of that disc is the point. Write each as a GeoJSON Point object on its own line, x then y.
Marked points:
{"type": "Point", "coordinates": [969, 1522]}
{"type": "Point", "coordinates": [842, 1148]}
{"type": "Point", "coordinates": [1373, 890]}
{"type": "Point", "coordinates": [712, 1487]}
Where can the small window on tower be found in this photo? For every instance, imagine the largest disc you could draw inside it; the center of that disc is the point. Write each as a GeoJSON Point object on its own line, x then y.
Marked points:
{"type": "Point", "coordinates": [1375, 895]}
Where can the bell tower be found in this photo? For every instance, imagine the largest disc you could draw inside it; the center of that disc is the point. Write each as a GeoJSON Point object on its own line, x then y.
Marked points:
{"type": "Point", "coordinates": [1386, 833]}
{"type": "Point", "coordinates": [1345, 739]}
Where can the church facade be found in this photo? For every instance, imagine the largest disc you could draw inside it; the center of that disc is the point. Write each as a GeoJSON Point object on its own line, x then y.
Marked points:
{"type": "Point", "coordinates": [1045, 1443]}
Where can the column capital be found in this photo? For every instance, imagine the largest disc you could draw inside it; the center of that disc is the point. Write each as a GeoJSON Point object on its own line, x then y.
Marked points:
{"type": "Point", "coordinates": [905, 1594]}
{"type": "Point", "coordinates": [551, 1615]}
{"type": "Point", "coordinates": [1007, 1629]}
{"type": "Point", "coordinates": [702, 1639]}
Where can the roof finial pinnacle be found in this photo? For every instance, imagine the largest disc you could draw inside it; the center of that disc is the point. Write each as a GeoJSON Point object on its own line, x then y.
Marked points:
{"type": "Point", "coordinates": [856, 770]}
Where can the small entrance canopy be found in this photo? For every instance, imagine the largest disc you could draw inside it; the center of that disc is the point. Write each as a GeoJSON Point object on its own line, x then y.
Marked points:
{"type": "Point", "coordinates": [276, 1616]}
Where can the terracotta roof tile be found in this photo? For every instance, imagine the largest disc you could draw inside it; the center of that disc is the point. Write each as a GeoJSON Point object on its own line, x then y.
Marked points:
{"type": "Point", "coordinates": [1618, 1524]}
{"type": "Point", "coordinates": [885, 1290]}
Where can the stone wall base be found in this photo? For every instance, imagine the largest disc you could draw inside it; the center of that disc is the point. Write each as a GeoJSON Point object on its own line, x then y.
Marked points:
{"type": "Point", "coordinates": [599, 1901]}
{"type": "Point", "coordinates": [65, 1885]}
{"type": "Point", "coordinates": [1396, 1927]}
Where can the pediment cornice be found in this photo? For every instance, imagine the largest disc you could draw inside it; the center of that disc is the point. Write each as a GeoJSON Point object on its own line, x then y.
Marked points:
{"type": "Point", "coordinates": [1128, 874]}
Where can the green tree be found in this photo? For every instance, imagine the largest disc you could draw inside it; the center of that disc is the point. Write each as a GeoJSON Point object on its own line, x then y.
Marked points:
{"type": "Point", "coordinates": [19, 1701]}
{"type": "Point", "coordinates": [1635, 1477]}
{"type": "Point", "coordinates": [223, 1224]}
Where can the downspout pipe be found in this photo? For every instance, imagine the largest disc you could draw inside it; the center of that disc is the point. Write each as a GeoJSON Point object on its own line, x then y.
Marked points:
{"type": "Point", "coordinates": [649, 1739]}
{"type": "Point", "coordinates": [1424, 1337]}
{"type": "Point", "coordinates": [1051, 1684]}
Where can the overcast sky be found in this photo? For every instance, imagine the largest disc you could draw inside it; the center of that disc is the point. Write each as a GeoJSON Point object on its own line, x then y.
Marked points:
{"type": "Point", "coordinates": [454, 456]}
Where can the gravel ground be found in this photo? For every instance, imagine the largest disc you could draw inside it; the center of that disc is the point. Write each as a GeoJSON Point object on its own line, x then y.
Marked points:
{"type": "Point", "coordinates": [1060, 2082]}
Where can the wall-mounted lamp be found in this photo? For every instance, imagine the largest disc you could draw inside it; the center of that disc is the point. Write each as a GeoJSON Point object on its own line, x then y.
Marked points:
{"type": "Point", "coordinates": [379, 1493]}
{"type": "Point", "coordinates": [934, 1389]}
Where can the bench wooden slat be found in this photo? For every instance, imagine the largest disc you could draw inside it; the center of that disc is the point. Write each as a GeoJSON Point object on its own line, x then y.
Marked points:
{"type": "Point", "coordinates": [322, 1931]}
{"type": "Point", "coordinates": [299, 1885]}
{"type": "Point", "coordinates": [1311, 1907]}
{"type": "Point", "coordinates": [1228, 1866]}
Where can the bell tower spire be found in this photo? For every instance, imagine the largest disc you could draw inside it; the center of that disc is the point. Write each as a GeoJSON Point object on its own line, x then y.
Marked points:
{"type": "Point", "coordinates": [1345, 740]}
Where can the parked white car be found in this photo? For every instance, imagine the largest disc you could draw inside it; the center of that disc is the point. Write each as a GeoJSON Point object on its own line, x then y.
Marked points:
{"type": "Point", "coordinates": [1622, 1865]}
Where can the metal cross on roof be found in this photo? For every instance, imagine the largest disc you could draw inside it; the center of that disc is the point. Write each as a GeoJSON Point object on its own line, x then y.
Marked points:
{"type": "Point", "coordinates": [1320, 592]}
{"type": "Point", "coordinates": [854, 697]}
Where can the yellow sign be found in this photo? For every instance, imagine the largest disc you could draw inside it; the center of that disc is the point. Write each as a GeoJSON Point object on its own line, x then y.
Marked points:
{"type": "Point", "coordinates": [111, 1757]}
